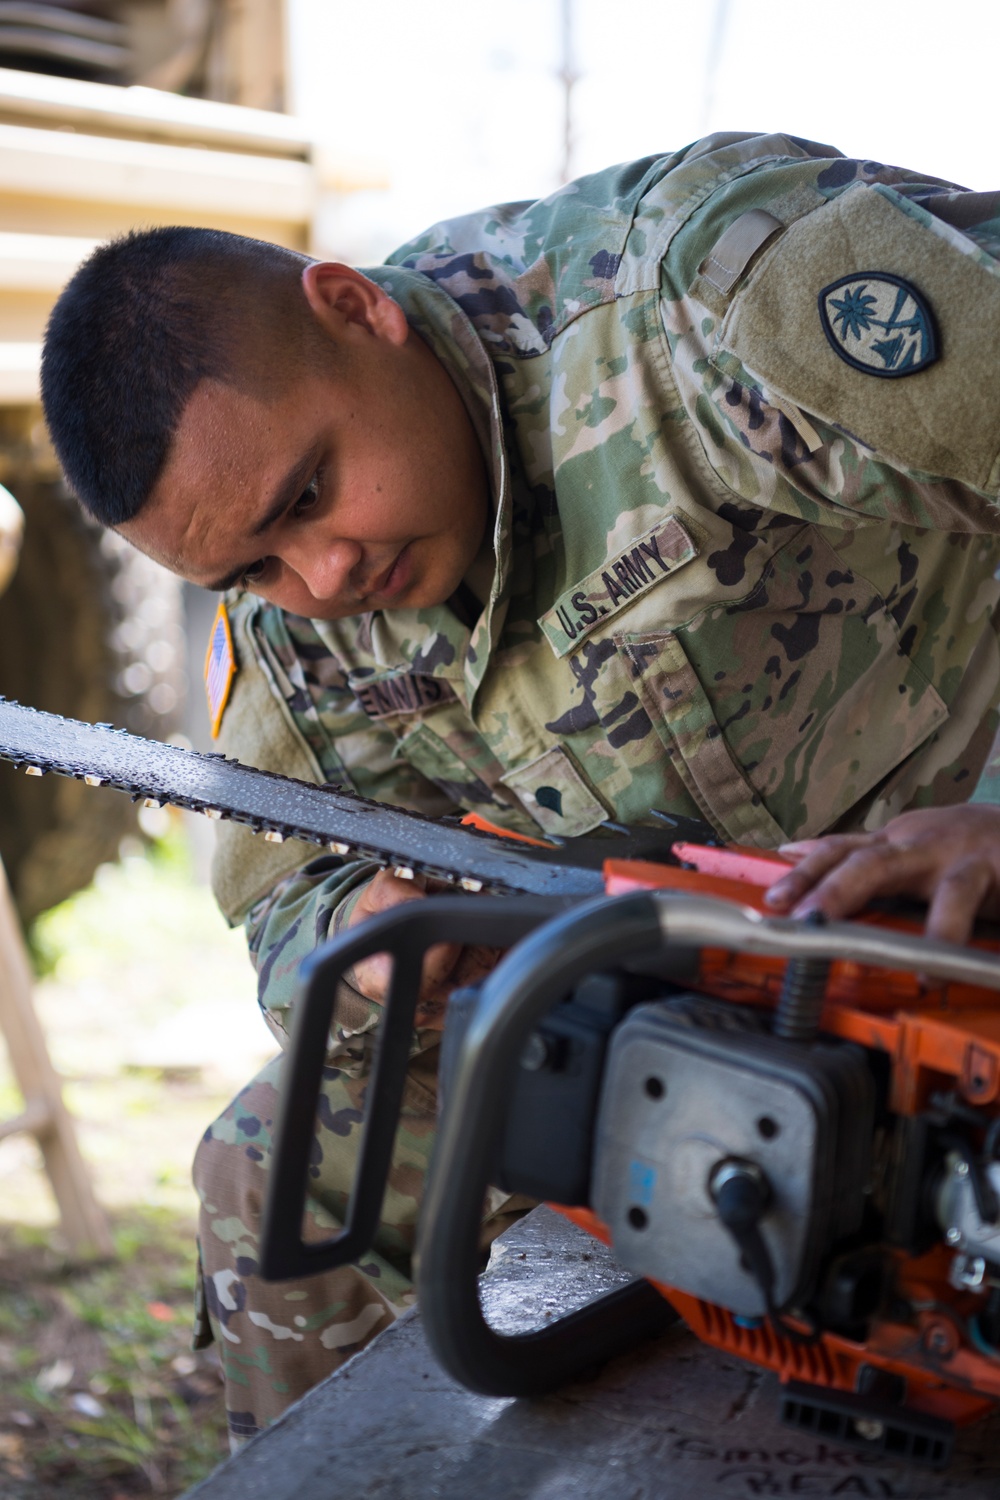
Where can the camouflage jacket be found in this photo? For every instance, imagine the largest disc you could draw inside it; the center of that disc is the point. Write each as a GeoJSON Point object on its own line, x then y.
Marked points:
{"type": "Point", "coordinates": [737, 571]}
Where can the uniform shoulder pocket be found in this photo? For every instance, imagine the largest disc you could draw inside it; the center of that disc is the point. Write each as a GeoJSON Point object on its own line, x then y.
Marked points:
{"type": "Point", "coordinates": [878, 318]}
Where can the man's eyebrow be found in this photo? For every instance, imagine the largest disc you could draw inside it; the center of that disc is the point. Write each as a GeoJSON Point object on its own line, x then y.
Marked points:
{"type": "Point", "coordinates": [287, 493]}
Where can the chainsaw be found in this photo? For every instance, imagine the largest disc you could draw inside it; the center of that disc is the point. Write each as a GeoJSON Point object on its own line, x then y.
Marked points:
{"type": "Point", "coordinates": [788, 1131]}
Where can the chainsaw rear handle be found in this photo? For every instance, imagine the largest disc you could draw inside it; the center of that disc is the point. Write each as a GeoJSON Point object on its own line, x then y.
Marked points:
{"type": "Point", "coordinates": [405, 933]}
{"type": "Point", "coordinates": [528, 981]}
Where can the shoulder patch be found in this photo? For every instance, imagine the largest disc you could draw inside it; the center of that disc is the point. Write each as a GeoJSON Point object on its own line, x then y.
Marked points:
{"type": "Point", "coordinates": [879, 324]}
{"type": "Point", "coordinates": [620, 579]}
{"type": "Point", "coordinates": [220, 667]}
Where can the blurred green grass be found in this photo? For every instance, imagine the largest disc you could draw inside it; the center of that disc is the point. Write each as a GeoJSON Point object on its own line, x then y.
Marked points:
{"type": "Point", "coordinates": [101, 1395]}
{"type": "Point", "coordinates": [148, 1003]}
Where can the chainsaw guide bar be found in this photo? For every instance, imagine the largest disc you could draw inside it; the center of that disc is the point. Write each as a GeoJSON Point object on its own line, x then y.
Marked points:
{"type": "Point", "coordinates": [331, 817]}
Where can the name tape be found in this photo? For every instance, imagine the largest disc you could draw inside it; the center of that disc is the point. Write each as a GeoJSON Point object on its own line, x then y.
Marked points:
{"type": "Point", "coordinates": [406, 694]}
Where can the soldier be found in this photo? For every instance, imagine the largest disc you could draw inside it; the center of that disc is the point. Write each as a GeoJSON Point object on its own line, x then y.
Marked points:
{"type": "Point", "coordinates": [677, 489]}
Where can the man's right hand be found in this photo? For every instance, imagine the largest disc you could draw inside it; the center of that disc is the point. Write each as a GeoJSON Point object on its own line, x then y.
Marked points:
{"type": "Point", "coordinates": [446, 965]}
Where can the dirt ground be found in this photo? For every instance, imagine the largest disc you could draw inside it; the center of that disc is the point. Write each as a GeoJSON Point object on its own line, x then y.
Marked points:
{"type": "Point", "coordinates": [149, 1007]}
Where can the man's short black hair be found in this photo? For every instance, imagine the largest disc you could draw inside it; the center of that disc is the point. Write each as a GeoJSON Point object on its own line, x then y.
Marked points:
{"type": "Point", "coordinates": [143, 320]}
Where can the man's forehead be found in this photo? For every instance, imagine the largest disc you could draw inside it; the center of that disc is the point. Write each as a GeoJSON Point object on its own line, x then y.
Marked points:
{"type": "Point", "coordinates": [214, 428]}
{"type": "Point", "coordinates": [215, 486]}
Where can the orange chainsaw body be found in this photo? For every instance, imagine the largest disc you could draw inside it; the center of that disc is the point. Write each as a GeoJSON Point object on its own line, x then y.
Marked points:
{"type": "Point", "coordinates": [935, 1037]}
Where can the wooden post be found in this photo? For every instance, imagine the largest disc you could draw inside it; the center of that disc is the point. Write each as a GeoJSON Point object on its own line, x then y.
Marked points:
{"type": "Point", "coordinates": [45, 1116]}
{"type": "Point", "coordinates": [246, 56]}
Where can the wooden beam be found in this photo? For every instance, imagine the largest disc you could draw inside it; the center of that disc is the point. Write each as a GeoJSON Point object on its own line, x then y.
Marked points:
{"type": "Point", "coordinates": [45, 1114]}
{"type": "Point", "coordinates": [55, 163]}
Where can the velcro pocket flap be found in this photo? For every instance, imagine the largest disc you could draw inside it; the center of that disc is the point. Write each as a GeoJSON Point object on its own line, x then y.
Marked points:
{"type": "Point", "coordinates": [556, 795]}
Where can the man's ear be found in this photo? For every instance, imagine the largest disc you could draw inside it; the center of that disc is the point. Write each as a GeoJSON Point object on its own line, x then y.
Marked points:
{"type": "Point", "coordinates": [338, 294]}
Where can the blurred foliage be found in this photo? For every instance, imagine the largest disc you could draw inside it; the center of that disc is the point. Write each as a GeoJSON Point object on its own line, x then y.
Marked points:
{"type": "Point", "coordinates": [148, 1003]}
{"type": "Point", "coordinates": [162, 863]}
{"type": "Point", "coordinates": [101, 1397]}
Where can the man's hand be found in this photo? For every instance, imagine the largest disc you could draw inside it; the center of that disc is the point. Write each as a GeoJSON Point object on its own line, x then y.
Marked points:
{"type": "Point", "coordinates": [446, 966]}
{"type": "Point", "coordinates": [946, 856]}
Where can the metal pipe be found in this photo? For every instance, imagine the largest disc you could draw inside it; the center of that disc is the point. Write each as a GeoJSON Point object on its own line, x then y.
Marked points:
{"type": "Point", "coordinates": [696, 921]}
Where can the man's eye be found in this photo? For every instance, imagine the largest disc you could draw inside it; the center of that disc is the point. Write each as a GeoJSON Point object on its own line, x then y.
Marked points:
{"type": "Point", "coordinates": [254, 573]}
{"type": "Point", "coordinates": [308, 497]}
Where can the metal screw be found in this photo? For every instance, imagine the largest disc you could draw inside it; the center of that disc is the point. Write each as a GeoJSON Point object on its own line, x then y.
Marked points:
{"type": "Point", "coordinates": [937, 1341]}
{"type": "Point", "coordinates": [953, 1235]}
{"type": "Point", "coordinates": [535, 1054]}
{"type": "Point", "coordinates": [962, 1169]}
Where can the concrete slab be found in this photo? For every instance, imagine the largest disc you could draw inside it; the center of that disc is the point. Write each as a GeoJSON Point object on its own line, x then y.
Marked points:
{"type": "Point", "coordinates": [671, 1421]}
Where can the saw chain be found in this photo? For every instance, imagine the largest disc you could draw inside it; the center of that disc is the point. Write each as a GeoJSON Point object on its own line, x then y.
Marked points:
{"type": "Point", "coordinates": [331, 817]}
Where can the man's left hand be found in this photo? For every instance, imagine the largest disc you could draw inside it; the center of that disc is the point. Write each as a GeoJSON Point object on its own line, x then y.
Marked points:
{"type": "Point", "coordinates": [946, 856]}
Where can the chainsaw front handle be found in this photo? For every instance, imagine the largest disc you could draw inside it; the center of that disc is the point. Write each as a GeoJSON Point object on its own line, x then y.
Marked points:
{"type": "Point", "coordinates": [532, 978]}
{"type": "Point", "coordinates": [405, 933]}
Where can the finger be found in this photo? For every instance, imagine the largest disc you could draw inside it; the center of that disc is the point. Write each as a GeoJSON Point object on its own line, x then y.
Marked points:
{"type": "Point", "coordinates": [472, 967]}
{"type": "Point", "coordinates": [431, 1013]}
{"type": "Point", "coordinates": [439, 963]}
{"type": "Point", "coordinates": [370, 977]}
{"type": "Point", "coordinates": [474, 964]}
{"type": "Point", "coordinates": [958, 896]}
{"type": "Point", "coordinates": [386, 890]}
{"type": "Point", "coordinates": [823, 856]}
{"type": "Point", "coordinates": [799, 848]}
{"type": "Point", "coordinates": [880, 869]}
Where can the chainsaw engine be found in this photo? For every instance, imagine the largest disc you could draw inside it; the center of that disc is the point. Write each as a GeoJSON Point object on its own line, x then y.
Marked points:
{"type": "Point", "coordinates": [725, 1161]}
{"type": "Point", "coordinates": [786, 1132]}
{"type": "Point", "coordinates": [729, 1163]}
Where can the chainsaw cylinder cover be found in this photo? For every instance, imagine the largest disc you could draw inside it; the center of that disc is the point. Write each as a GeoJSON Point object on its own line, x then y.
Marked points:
{"type": "Point", "coordinates": [689, 1111]}
{"type": "Point", "coordinates": [970, 1224]}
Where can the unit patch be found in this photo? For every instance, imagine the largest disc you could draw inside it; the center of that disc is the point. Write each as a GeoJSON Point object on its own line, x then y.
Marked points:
{"type": "Point", "coordinates": [617, 582]}
{"type": "Point", "coordinates": [220, 668]}
{"type": "Point", "coordinates": [879, 323]}
{"type": "Point", "coordinates": [406, 694]}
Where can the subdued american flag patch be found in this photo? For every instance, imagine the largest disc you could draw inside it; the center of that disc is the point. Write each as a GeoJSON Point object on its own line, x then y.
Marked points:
{"type": "Point", "coordinates": [220, 667]}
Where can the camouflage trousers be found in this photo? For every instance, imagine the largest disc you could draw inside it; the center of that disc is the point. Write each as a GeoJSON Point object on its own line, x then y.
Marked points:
{"type": "Point", "coordinates": [277, 1339]}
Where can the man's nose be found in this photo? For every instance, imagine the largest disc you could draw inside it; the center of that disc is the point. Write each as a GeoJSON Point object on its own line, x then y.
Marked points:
{"type": "Point", "coordinates": [325, 567]}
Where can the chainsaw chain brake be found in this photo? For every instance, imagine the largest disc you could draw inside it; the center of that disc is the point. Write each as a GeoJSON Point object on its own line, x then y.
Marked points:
{"type": "Point", "coordinates": [330, 816]}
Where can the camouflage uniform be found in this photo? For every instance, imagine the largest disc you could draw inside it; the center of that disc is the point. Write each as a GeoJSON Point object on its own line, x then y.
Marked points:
{"type": "Point", "coordinates": [733, 575]}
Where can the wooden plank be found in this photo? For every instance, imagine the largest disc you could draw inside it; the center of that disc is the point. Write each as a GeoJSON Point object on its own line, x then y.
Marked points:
{"type": "Point", "coordinates": [20, 365]}
{"type": "Point", "coordinates": [40, 262]}
{"type": "Point", "coordinates": [128, 111]}
{"type": "Point", "coordinates": [51, 163]}
{"type": "Point", "coordinates": [84, 1223]}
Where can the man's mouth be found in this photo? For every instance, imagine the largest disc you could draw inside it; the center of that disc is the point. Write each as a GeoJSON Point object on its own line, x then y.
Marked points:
{"type": "Point", "coordinates": [396, 577]}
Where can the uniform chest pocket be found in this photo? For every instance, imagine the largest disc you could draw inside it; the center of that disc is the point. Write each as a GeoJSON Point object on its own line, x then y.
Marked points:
{"type": "Point", "coordinates": [779, 712]}
{"type": "Point", "coordinates": [453, 756]}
